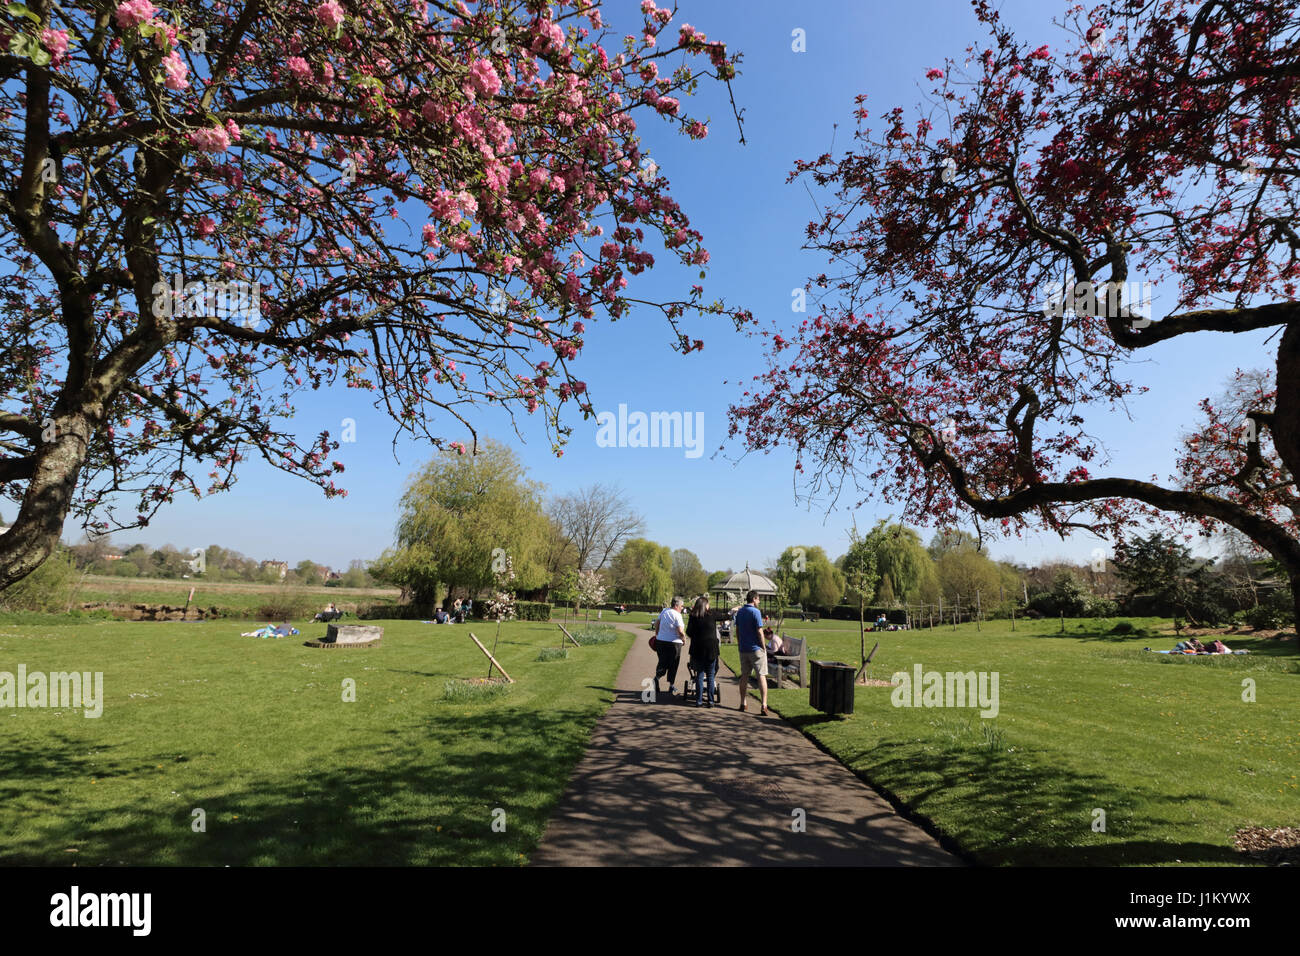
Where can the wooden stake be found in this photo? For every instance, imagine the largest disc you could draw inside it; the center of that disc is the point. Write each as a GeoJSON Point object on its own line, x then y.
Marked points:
{"type": "Point", "coordinates": [495, 664]}
{"type": "Point", "coordinates": [568, 635]}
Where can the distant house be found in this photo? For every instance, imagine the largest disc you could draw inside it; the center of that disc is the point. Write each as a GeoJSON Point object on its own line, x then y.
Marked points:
{"type": "Point", "coordinates": [112, 557]}
{"type": "Point", "coordinates": [281, 566]}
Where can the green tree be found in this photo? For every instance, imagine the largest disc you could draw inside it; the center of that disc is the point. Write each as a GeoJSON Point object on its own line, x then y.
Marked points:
{"type": "Point", "coordinates": [967, 577]}
{"type": "Point", "coordinates": [903, 562]}
{"type": "Point", "coordinates": [810, 576]}
{"type": "Point", "coordinates": [460, 515]}
{"type": "Point", "coordinates": [1164, 568]}
{"type": "Point", "coordinates": [689, 579]}
{"type": "Point", "coordinates": [1152, 565]}
{"type": "Point", "coordinates": [717, 577]}
{"type": "Point", "coordinates": [952, 539]}
{"type": "Point", "coordinates": [355, 576]}
{"type": "Point", "coordinates": [642, 572]}
{"type": "Point", "coordinates": [859, 565]}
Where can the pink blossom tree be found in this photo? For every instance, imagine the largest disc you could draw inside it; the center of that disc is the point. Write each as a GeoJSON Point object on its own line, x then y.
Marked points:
{"type": "Point", "coordinates": [215, 209]}
{"type": "Point", "coordinates": [979, 310]}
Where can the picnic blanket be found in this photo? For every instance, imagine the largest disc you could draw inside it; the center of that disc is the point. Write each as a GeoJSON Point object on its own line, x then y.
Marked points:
{"type": "Point", "coordinates": [1200, 653]}
{"type": "Point", "coordinates": [271, 631]}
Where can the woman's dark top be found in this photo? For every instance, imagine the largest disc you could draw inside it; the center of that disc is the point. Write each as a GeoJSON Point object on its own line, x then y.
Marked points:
{"type": "Point", "coordinates": [704, 639]}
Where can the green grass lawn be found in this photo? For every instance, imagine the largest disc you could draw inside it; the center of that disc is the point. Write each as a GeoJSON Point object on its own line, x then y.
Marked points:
{"type": "Point", "coordinates": [1087, 720]}
{"type": "Point", "coordinates": [256, 734]}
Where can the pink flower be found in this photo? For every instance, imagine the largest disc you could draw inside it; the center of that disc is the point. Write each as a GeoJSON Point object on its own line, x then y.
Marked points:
{"type": "Point", "coordinates": [205, 228]}
{"type": "Point", "coordinates": [430, 235]}
{"type": "Point", "coordinates": [176, 70]}
{"type": "Point", "coordinates": [330, 14]}
{"type": "Point", "coordinates": [214, 139]}
{"type": "Point", "coordinates": [934, 74]}
{"type": "Point", "coordinates": [697, 130]}
{"type": "Point", "coordinates": [56, 41]}
{"type": "Point", "coordinates": [550, 30]}
{"type": "Point", "coordinates": [484, 77]}
{"type": "Point", "coordinates": [443, 206]}
{"type": "Point", "coordinates": [132, 13]}
{"type": "Point", "coordinates": [299, 68]}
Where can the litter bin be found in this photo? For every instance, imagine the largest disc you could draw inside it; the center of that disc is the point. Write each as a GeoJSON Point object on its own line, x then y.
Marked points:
{"type": "Point", "coordinates": [830, 687]}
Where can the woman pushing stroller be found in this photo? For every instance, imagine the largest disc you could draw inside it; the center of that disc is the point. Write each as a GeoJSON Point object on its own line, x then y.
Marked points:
{"type": "Point", "coordinates": [704, 650]}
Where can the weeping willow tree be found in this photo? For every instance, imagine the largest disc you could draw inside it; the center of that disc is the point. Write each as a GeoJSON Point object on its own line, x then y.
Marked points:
{"type": "Point", "coordinates": [461, 518]}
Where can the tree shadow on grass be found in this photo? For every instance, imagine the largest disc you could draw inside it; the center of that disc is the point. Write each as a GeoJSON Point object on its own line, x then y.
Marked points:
{"type": "Point", "coordinates": [1089, 636]}
{"type": "Point", "coordinates": [430, 800]}
{"type": "Point", "coordinates": [1024, 809]}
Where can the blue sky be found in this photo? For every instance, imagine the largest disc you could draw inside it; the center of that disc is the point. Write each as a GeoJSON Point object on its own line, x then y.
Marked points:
{"type": "Point", "coordinates": [753, 223]}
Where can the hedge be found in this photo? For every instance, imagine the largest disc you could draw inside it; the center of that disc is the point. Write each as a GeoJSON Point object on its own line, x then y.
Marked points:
{"type": "Point", "coordinates": [531, 610]}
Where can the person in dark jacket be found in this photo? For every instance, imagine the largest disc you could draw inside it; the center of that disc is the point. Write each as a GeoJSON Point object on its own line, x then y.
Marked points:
{"type": "Point", "coordinates": [704, 649]}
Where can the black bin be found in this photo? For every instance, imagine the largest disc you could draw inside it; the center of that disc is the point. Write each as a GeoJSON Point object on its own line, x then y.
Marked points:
{"type": "Point", "coordinates": [830, 687]}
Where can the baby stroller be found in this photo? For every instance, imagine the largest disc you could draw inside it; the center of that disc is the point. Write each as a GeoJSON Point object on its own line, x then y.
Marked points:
{"type": "Point", "coordinates": [689, 691]}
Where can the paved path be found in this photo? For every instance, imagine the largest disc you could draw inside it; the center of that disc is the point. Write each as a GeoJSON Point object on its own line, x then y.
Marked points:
{"type": "Point", "coordinates": [666, 783]}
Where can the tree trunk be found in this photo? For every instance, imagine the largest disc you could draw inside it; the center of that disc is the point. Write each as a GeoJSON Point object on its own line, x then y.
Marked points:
{"type": "Point", "coordinates": [48, 498]}
{"type": "Point", "coordinates": [1295, 604]}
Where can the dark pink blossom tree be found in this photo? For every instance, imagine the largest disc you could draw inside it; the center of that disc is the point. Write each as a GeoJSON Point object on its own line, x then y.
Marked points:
{"type": "Point", "coordinates": [987, 260]}
{"type": "Point", "coordinates": [214, 209]}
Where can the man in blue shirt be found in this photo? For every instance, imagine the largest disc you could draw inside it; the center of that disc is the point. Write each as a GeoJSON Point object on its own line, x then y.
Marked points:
{"type": "Point", "coordinates": [753, 655]}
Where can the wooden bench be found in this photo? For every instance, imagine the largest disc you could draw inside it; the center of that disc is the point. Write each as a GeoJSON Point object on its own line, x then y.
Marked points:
{"type": "Point", "coordinates": [794, 651]}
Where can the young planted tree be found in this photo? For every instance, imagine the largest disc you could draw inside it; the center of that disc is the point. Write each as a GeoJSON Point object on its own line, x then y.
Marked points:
{"type": "Point", "coordinates": [861, 577]}
{"type": "Point", "coordinates": [214, 209]}
{"type": "Point", "coordinates": [590, 589]}
{"type": "Point", "coordinates": [501, 605]}
{"type": "Point", "coordinates": [978, 314]}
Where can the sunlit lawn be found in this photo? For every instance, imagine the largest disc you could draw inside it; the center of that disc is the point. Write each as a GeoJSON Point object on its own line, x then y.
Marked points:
{"type": "Point", "coordinates": [257, 734]}
{"type": "Point", "coordinates": [1088, 721]}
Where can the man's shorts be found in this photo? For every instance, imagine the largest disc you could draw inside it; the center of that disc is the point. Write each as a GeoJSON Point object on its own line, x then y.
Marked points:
{"type": "Point", "coordinates": [754, 661]}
